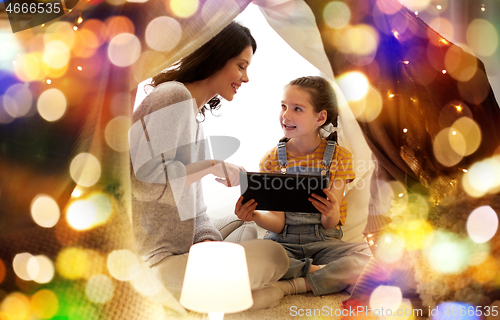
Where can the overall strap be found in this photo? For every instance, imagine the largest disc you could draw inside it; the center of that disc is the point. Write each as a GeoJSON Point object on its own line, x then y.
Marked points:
{"type": "Point", "coordinates": [282, 156]}
{"type": "Point", "coordinates": [327, 156]}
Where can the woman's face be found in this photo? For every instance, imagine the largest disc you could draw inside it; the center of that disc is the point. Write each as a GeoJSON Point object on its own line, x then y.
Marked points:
{"type": "Point", "coordinates": [227, 81]}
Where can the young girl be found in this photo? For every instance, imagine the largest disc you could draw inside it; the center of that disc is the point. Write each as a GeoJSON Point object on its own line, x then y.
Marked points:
{"type": "Point", "coordinates": [319, 260]}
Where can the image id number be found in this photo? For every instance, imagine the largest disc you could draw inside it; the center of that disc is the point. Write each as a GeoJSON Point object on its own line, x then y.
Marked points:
{"type": "Point", "coordinates": [34, 7]}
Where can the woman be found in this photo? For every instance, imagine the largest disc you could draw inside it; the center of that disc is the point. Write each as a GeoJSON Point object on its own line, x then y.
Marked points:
{"type": "Point", "coordinates": [168, 160]}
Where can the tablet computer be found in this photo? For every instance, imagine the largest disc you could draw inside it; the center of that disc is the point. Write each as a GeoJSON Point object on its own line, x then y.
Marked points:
{"type": "Point", "coordinates": [282, 192]}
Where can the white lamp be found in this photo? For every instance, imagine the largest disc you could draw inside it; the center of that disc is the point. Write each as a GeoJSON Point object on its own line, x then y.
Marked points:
{"type": "Point", "coordinates": [216, 279]}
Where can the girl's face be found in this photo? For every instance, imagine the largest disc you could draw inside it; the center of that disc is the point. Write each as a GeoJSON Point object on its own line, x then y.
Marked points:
{"type": "Point", "coordinates": [227, 81]}
{"type": "Point", "coordinates": [297, 116]}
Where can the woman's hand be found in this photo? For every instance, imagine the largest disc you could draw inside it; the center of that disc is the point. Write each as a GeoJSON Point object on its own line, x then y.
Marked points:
{"type": "Point", "coordinates": [245, 211]}
{"type": "Point", "coordinates": [328, 207]}
{"type": "Point", "coordinates": [227, 173]}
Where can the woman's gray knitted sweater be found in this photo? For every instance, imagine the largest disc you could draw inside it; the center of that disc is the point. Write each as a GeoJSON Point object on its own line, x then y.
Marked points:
{"type": "Point", "coordinates": [167, 217]}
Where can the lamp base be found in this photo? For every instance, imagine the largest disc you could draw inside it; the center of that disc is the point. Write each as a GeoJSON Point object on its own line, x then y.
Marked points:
{"type": "Point", "coordinates": [216, 315]}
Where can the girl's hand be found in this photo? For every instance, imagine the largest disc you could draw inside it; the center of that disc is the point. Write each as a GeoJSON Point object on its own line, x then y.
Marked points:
{"type": "Point", "coordinates": [245, 212]}
{"type": "Point", "coordinates": [227, 173]}
{"type": "Point", "coordinates": [327, 206]}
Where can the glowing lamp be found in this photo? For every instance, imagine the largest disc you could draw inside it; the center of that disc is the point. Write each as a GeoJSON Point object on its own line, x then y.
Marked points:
{"type": "Point", "coordinates": [216, 279]}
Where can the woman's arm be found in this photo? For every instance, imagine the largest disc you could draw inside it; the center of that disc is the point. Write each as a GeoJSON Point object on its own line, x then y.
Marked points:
{"type": "Point", "coordinates": [330, 206]}
{"type": "Point", "coordinates": [271, 220]}
{"type": "Point", "coordinates": [197, 170]}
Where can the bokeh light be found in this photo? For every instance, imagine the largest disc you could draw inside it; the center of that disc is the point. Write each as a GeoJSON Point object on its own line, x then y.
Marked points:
{"type": "Point", "coordinates": [81, 215]}
{"type": "Point", "coordinates": [123, 265]}
{"type": "Point", "coordinates": [443, 150]}
{"type": "Point", "coordinates": [337, 14]}
{"type": "Point", "coordinates": [447, 253]}
{"type": "Point", "coordinates": [72, 263]}
{"type": "Point", "coordinates": [10, 49]}
{"type": "Point", "coordinates": [453, 310]}
{"type": "Point", "coordinates": [354, 85]}
{"type": "Point", "coordinates": [44, 304]}
{"type": "Point", "coordinates": [471, 133]}
{"type": "Point", "coordinates": [103, 207]}
{"type": "Point", "coordinates": [369, 107]}
{"type": "Point", "coordinates": [17, 100]}
{"type": "Point", "coordinates": [386, 297]}
{"type": "Point", "coordinates": [124, 49]}
{"type": "Point", "coordinates": [482, 224]}
{"type": "Point", "coordinates": [482, 177]}
{"type": "Point", "coordinates": [416, 5]}
{"type": "Point", "coordinates": [390, 248]}
{"type": "Point", "coordinates": [360, 40]}
{"type": "Point", "coordinates": [461, 67]}
{"type": "Point", "coordinates": [117, 25]}
{"type": "Point", "coordinates": [99, 289]}
{"type": "Point", "coordinates": [482, 37]}
{"type": "Point", "coordinates": [41, 269]}
{"type": "Point", "coordinates": [28, 67]}
{"type": "Point", "coordinates": [86, 43]}
{"type": "Point", "coordinates": [183, 8]}
{"type": "Point", "coordinates": [60, 31]}
{"type": "Point", "coordinates": [15, 306]}
{"type": "Point", "coordinates": [146, 283]}
{"type": "Point", "coordinates": [51, 104]}
{"type": "Point", "coordinates": [45, 211]}
{"type": "Point", "coordinates": [56, 54]}
{"type": "Point", "coordinates": [20, 265]}
{"type": "Point", "coordinates": [163, 34]}
{"type": "Point", "coordinates": [116, 133]}
{"type": "Point", "coordinates": [389, 8]}
{"type": "Point", "coordinates": [85, 169]}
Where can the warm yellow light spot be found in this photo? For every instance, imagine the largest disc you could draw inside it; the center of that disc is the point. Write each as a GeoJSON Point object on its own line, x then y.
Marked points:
{"type": "Point", "coordinates": [415, 232]}
{"type": "Point", "coordinates": [391, 95]}
{"type": "Point", "coordinates": [81, 215]}
{"type": "Point", "coordinates": [124, 49]}
{"type": "Point", "coordinates": [483, 177]}
{"type": "Point", "coordinates": [20, 265]}
{"type": "Point", "coordinates": [337, 14]}
{"type": "Point", "coordinates": [16, 306]}
{"type": "Point", "coordinates": [447, 253]}
{"type": "Point", "coordinates": [76, 193]}
{"type": "Point", "coordinates": [444, 41]}
{"type": "Point", "coordinates": [400, 195]}
{"type": "Point", "coordinates": [391, 249]}
{"type": "Point", "coordinates": [72, 263]}
{"type": "Point", "coordinates": [51, 104]}
{"type": "Point", "coordinates": [396, 34]}
{"type": "Point", "coordinates": [354, 85]}
{"type": "Point", "coordinates": [162, 28]}
{"type": "Point", "coordinates": [117, 25]}
{"type": "Point", "coordinates": [459, 108]}
{"type": "Point", "coordinates": [116, 133]}
{"type": "Point", "coordinates": [370, 242]}
{"type": "Point", "coordinates": [184, 8]}
{"type": "Point", "coordinates": [361, 40]}
{"type": "Point", "coordinates": [443, 71]}
{"type": "Point", "coordinates": [464, 170]}
{"type": "Point", "coordinates": [75, 28]}
{"type": "Point", "coordinates": [28, 67]}
{"type": "Point", "coordinates": [79, 68]}
{"type": "Point", "coordinates": [416, 13]}
{"type": "Point", "coordinates": [60, 32]}
{"type": "Point", "coordinates": [48, 81]}
{"type": "Point", "coordinates": [56, 54]}
{"type": "Point", "coordinates": [405, 130]}
{"type": "Point", "coordinates": [44, 304]}
{"type": "Point", "coordinates": [45, 211]}
{"type": "Point", "coordinates": [406, 62]}
{"type": "Point", "coordinates": [103, 207]}
{"type": "Point", "coordinates": [85, 169]}
{"type": "Point", "coordinates": [459, 66]}
{"type": "Point", "coordinates": [41, 269]}
{"type": "Point", "coordinates": [123, 265]}
{"type": "Point", "coordinates": [483, 9]}
{"type": "Point", "coordinates": [482, 37]}
{"type": "Point", "coordinates": [443, 26]}
{"type": "Point", "coordinates": [443, 149]}
{"type": "Point", "coordinates": [99, 289]}
{"type": "Point", "coordinates": [80, 19]}
{"type": "Point", "coordinates": [471, 134]}
{"type": "Point", "coordinates": [454, 133]}
{"type": "Point", "coordinates": [369, 107]}
{"type": "Point", "coordinates": [439, 7]}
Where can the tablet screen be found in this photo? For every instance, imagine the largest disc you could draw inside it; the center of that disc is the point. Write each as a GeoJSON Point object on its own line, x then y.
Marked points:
{"type": "Point", "coordinates": [282, 192]}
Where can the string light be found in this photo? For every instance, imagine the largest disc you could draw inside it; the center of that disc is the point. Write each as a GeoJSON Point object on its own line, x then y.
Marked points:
{"type": "Point", "coordinates": [464, 170]}
{"type": "Point", "coordinates": [459, 108]}
{"type": "Point", "coordinates": [483, 8]}
{"type": "Point", "coordinates": [406, 62]}
{"type": "Point", "coordinates": [444, 71]}
{"type": "Point", "coordinates": [48, 81]}
{"type": "Point", "coordinates": [454, 133]}
{"type": "Point", "coordinates": [443, 41]}
{"type": "Point", "coordinates": [438, 7]}
{"type": "Point", "coordinates": [400, 195]}
{"type": "Point", "coordinates": [75, 28]}
{"type": "Point", "coordinates": [79, 68]}
{"type": "Point", "coordinates": [80, 19]}
{"type": "Point", "coordinates": [391, 95]}
{"type": "Point", "coordinates": [405, 130]}
{"type": "Point", "coordinates": [395, 33]}
{"type": "Point", "coordinates": [416, 13]}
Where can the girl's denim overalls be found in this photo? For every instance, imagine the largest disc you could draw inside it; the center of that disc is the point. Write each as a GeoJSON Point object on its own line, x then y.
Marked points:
{"type": "Point", "coordinates": [308, 242]}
